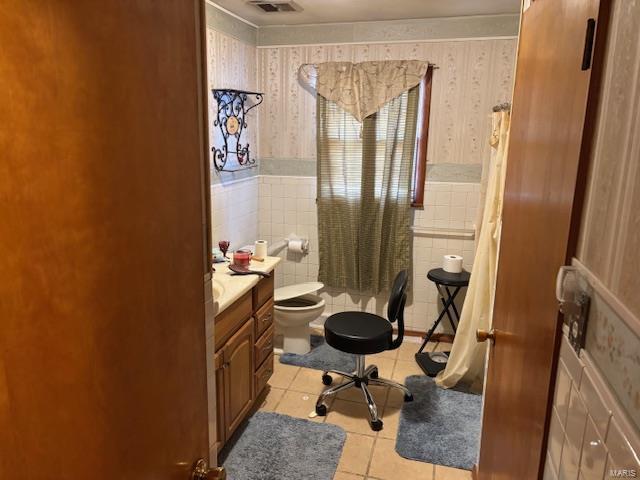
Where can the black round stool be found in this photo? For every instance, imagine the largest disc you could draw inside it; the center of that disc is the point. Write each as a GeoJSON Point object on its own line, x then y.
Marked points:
{"type": "Point", "coordinates": [448, 285]}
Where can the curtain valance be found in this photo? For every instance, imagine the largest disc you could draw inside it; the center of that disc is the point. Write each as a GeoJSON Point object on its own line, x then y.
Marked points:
{"type": "Point", "coordinates": [362, 88]}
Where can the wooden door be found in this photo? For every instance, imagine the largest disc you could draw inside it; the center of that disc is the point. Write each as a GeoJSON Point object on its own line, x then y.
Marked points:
{"type": "Point", "coordinates": [549, 106]}
{"type": "Point", "coordinates": [221, 419]}
{"type": "Point", "coordinates": [239, 381]}
{"type": "Point", "coordinates": [102, 352]}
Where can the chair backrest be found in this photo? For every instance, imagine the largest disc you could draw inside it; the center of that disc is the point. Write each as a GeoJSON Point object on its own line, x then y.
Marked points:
{"type": "Point", "coordinates": [395, 310]}
{"type": "Point", "coordinates": [398, 296]}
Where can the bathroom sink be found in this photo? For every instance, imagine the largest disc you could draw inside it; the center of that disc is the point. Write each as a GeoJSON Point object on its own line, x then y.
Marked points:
{"type": "Point", "coordinates": [218, 289]}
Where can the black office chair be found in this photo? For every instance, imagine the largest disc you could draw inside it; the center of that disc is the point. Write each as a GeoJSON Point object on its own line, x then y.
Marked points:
{"type": "Point", "coordinates": [363, 333]}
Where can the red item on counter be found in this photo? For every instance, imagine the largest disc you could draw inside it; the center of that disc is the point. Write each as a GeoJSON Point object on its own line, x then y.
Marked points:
{"type": "Point", "coordinates": [241, 258]}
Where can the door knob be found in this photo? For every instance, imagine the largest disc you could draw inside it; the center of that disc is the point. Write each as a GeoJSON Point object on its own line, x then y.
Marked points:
{"type": "Point", "coordinates": [483, 335]}
{"type": "Point", "coordinates": [201, 471]}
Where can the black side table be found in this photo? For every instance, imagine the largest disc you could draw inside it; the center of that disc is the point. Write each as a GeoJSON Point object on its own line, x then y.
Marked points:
{"type": "Point", "coordinates": [432, 363]}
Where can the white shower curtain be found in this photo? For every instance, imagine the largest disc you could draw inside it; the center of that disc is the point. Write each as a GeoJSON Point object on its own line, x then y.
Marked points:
{"type": "Point", "coordinates": [467, 358]}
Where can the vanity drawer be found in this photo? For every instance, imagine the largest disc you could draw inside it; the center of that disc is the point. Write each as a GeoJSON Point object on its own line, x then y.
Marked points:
{"type": "Point", "coordinates": [263, 374]}
{"type": "Point", "coordinates": [262, 292]}
{"type": "Point", "coordinates": [264, 318]}
{"type": "Point", "coordinates": [264, 346]}
{"type": "Point", "coordinates": [231, 319]}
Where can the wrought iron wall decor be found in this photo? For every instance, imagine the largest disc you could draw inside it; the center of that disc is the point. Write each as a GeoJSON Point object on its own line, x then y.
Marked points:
{"type": "Point", "coordinates": [233, 106]}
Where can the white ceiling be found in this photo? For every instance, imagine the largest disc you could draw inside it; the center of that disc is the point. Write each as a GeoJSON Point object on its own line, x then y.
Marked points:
{"type": "Point", "coordinates": [335, 11]}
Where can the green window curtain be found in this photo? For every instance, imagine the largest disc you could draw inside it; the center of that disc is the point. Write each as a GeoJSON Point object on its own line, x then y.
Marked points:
{"type": "Point", "coordinates": [364, 193]}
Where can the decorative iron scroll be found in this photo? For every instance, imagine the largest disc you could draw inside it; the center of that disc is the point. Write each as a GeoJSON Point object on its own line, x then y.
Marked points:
{"type": "Point", "coordinates": [233, 106]}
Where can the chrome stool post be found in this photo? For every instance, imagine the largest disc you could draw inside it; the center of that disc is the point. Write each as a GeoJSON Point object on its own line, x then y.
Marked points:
{"type": "Point", "coordinates": [362, 378]}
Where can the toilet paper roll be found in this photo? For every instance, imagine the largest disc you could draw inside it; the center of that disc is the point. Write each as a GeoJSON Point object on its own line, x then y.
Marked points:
{"type": "Point", "coordinates": [452, 263]}
{"type": "Point", "coordinates": [260, 250]}
{"type": "Point", "coordinates": [299, 245]}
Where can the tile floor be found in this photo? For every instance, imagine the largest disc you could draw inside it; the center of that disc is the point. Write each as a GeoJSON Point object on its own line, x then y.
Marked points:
{"type": "Point", "coordinates": [367, 454]}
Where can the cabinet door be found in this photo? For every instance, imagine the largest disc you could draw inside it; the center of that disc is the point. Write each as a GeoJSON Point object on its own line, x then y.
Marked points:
{"type": "Point", "coordinates": [219, 366]}
{"type": "Point", "coordinates": [238, 374]}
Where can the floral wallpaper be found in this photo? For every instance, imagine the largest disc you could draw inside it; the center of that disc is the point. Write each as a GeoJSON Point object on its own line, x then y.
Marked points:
{"type": "Point", "coordinates": [609, 238]}
{"type": "Point", "coordinates": [616, 351]}
{"type": "Point", "coordinates": [231, 63]}
{"type": "Point", "coordinates": [473, 76]}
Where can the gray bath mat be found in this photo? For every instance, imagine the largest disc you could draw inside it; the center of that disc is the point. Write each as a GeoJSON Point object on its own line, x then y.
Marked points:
{"type": "Point", "coordinates": [440, 426]}
{"type": "Point", "coordinates": [321, 357]}
{"type": "Point", "coordinates": [270, 446]}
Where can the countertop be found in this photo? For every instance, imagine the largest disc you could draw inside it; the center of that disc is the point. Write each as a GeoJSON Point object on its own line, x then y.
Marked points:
{"type": "Point", "coordinates": [228, 288]}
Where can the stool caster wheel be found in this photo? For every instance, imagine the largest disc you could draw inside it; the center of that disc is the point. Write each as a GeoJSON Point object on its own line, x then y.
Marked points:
{"type": "Point", "coordinates": [321, 410]}
{"type": "Point", "coordinates": [374, 373]}
{"type": "Point", "coordinates": [408, 397]}
{"type": "Point", "coordinates": [326, 379]}
{"type": "Point", "coordinates": [376, 426]}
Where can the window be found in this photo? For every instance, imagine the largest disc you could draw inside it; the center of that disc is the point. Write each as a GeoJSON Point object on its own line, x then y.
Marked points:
{"type": "Point", "coordinates": [364, 193]}
{"type": "Point", "coordinates": [344, 140]}
{"type": "Point", "coordinates": [422, 138]}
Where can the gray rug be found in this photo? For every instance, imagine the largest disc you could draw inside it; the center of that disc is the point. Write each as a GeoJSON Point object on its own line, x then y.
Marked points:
{"type": "Point", "coordinates": [321, 357]}
{"type": "Point", "coordinates": [440, 426]}
{"type": "Point", "coordinates": [270, 446]}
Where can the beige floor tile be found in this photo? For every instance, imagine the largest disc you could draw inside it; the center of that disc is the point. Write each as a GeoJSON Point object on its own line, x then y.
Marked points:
{"type": "Point", "coordinates": [270, 398]}
{"type": "Point", "coordinates": [405, 368]}
{"type": "Point", "coordinates": [390, 354]}
{"type": "Point", "coordinates": [298, 404]}
{"type": "Point", "coordinates": [413, 349]}
{"type": "Point", "coordinates": [355, 395]}
{"type": "Point", "coordinates": [385, 365]}
{"type": "Point", "coordinates": [391, 420]}
{"type": "Point", "coordinates": [309, 381]}
{"type": "Point", "coordinates": [283, 374]}
{"type": "Point", "coordinates": [347, 476]}
{"type": "Point", "coordinates": [430, 347]}
{"type": "Point", "coordinates": [352, 416]}
{"type": "Point", "coordinates": [407, 350]}
{"type": "Point", "coordinates": [395, 398]}
{"type": "Point", "coordinates": [447, 473]}
{"type": "Point", "coordinates": [443, 347]}
{"type": "Point", "coordinates": [386, 464]}
{"type": "Point", "coordinates": [356, 454]}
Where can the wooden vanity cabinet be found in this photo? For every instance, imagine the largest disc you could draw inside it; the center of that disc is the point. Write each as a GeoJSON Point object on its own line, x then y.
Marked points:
{"type": "Point", "coordinates": [238, 376]}
{"type": "Point", "coordinates": [243, 356]}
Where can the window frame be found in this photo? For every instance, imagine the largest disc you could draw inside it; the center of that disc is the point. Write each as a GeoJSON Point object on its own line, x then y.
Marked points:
{"type": "Point", "coordinates": [422, 140]}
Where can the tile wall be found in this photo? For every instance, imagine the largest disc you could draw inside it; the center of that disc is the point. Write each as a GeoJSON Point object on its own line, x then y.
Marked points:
{"type": "Point", "coordinates": [287, 205]}
{"type": "Point", "coordinates": [590, 438]}
{"type": "Point", "coordinates": [234, 212]}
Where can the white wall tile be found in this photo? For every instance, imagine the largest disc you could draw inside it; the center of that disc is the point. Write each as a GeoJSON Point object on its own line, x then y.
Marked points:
{"type": "Point", "coordinates": [599, 412]}
{"type": "Point", "coordinates": [563, 392]}
{"type": "Point", "coordinates": [621, 451]}
{"type": "Point", "coordinates": [550, 472]}
{"type": "Point", "coordinates": [592, 442]}
{"type": "Point", "coordinates": [234, 212]}
{"type": "Point", "coordinates": [594, 454]}
{"type": "Point", "coordinates": [576, 420]}
{"type": "Point", "coordinates": [298, 215]}
{"type": "Point", "coordinates": [571, 361]}
{"type": "Point", "coordinates": [556, 440]}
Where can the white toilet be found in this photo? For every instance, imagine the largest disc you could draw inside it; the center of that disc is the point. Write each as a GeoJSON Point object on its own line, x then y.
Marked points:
{"type": "Point", "coordinates": [295, 307]}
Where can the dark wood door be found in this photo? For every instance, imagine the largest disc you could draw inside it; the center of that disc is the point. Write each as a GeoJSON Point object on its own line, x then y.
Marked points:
{"type": "Point", "coordinates": [239, 378]}
{"type": "Point", "coordinates": [102, 352]}
{"type": "Point", "coordinates": [548, 115]}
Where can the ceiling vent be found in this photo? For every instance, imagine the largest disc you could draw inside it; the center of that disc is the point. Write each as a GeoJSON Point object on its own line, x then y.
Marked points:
{"type": "Point", "coordinates": [276, 6]}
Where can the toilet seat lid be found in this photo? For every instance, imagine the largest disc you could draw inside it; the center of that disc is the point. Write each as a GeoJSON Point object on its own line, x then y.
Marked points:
{"type": "Point", "coordinates": [297, 290]}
